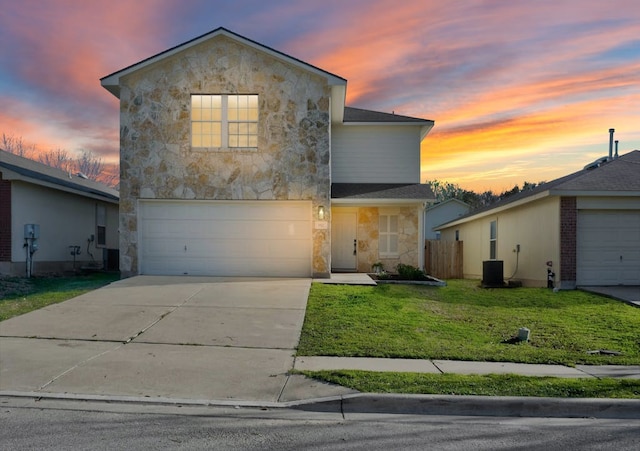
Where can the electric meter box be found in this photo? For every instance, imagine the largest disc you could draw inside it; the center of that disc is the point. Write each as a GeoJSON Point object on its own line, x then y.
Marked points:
{"type": "Point", "coordinates": [32, 231]}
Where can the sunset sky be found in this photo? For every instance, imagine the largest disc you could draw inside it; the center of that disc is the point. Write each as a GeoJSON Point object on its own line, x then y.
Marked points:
{"type": "Point", "coordinates": [519, 89]}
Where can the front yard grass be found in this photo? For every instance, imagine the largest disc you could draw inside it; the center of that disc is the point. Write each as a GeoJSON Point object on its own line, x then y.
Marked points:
{"type": "Point", "coordinates": [465, 322]}
{"type": "Point", "coordinates": [20, 295]}
{"type": "Point", "coordinates": [481, 385]}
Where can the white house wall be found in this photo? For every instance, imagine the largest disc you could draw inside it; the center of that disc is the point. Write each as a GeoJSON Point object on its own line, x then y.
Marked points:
{"type": "Point", "coordinates": [375, 154]}
{"type": "Point", "coordinates": [65, 219]}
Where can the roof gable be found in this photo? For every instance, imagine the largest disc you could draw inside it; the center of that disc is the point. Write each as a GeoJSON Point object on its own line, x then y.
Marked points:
{"type": "Point", "coordinates": [41, 174]}
{"type": "Point", "coordinates": [111, 82]}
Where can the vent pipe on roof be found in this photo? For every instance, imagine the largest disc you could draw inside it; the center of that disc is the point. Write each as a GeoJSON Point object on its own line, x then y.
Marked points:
{"type": "Point", "coordinates": [611, 131]}
{"type": "Point", "coordinates": [615, 155]}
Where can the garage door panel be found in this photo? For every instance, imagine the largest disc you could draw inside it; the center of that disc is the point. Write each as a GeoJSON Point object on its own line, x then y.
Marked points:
{"type": "Point", "coordinates": [221, 238]}
{"type": "Point", "coordinates": [608, 247]}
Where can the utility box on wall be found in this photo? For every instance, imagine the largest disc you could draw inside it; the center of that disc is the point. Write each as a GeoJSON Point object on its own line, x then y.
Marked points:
{"type": "Point", "coordinates": [493, 274]}
{"type": "Point", "coordinates": [32, 231]}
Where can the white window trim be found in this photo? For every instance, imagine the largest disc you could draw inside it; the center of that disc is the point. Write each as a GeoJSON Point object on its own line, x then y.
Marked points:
{"type": "Point", "coordinates": [224, 124]}
{"type": "Point", "coordinates": [387, 236]}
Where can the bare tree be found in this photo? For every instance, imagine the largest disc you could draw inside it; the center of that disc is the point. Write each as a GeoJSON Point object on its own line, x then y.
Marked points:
{"type": "Point", "coordinates": [57, 158]}
{"type": "Point", "coordinates": [16, 146]}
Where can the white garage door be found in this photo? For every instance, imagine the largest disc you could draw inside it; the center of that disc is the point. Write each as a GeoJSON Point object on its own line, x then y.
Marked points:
{"type": "Point", "coordinates": [608, 248]}
{"type": "Point", "coordinates": [243, 238]}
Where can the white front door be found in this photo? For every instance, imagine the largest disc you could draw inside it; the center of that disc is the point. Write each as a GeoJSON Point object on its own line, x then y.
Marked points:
{"type": "Point", "coordinates": [343, 241]}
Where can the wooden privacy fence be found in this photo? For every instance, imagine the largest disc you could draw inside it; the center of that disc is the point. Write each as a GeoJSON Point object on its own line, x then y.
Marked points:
{"type": "Point", "coordinates": [443, 259]}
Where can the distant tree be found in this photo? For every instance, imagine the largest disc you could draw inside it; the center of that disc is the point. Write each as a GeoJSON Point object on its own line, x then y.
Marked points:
{"type": "Point", "coordinates": [86, 163]}
{"type": "Point", "coordinates": [445, 191]}
{"type": "Point", "coordinates": [57, 158]}
{"type": "Point", "coordinates": [16, 146]}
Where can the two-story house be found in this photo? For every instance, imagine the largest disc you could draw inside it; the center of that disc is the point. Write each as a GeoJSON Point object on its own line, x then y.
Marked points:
{"type": "Point", "coordinates": [239, 160]}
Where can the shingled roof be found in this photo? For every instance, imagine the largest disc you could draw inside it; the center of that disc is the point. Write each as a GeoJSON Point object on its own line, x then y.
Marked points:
{"type": "Point", "coordinates": [41, 174]}
{"type": "Point", "coordinates": [618, 177]}
{"type": "Point", "coordinates": [359, 115]}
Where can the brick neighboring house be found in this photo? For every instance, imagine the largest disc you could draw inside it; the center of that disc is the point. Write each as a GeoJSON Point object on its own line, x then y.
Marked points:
{"type": "Point", "coordinates": [239, 160]}
{"type": "Point", "coordinates": [68, 209]}
{"type": "Point", "coordinates": [586, 223]}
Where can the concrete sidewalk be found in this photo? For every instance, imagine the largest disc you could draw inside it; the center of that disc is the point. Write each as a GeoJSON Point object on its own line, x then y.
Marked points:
{"type": "Point", "coordinates": [303, 363]}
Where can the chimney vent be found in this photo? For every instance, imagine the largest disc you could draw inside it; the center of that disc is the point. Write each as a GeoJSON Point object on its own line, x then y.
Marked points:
{"type": "Point", "coordinates": [611, 131]}
{"type": "Point", "coordinates": [615, 155]}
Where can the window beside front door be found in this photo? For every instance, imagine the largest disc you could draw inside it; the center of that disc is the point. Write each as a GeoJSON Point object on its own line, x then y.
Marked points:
{"type": "Point", "coordinates": [388, 236]}
{"type": "Point", "coordinates": [493, 240]}
{"type": "Point", "coordinates": [101, 226]}
{"type": "Point", "coordinates": [224, 121]}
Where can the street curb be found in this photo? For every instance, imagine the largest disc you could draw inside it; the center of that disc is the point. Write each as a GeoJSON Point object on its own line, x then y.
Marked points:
{"type": "Point", "coordinates": [365, 403]}
{"type": "Point", "coordinates": [502, 406]}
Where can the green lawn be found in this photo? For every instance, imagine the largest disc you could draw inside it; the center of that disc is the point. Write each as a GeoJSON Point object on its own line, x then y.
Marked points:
{"type": "Point", "coordinates": [487, 385]}
{"type": "Point", "coordinates": [465, 322]}
{"type": "Point", "coordinates": [20, 295]}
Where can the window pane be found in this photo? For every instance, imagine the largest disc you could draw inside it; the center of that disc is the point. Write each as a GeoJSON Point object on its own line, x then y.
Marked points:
{"type": "Point", "coordinates": [233, 141]}
{"type": "Point", "coordinates": [383, 245]}
{"type": "Point", "coordinates": [253, 102]}
{"type": "Point", "coordinates": [206, 141]}
{"type": "Point", "coordinates": [492, 250]}
{"type": "Point", "coordinates": [206, 101]}
{"type": "Point", "coordinates": [196, 128]}
{"type": "Point", "coordinates": [393, 243]}
{"type": "Point", "coordinates": [253, 129]}
{"type": "Point", "coordinates": [253, 141]}
{"type": "Point", "coordinates": [493, 231]}
{"type": "Point", "coordinates": [243, 141]}
{"type": "Point", "coordinates": [383, 223]}
{"type": "Point", "coordinates": [233, 129]}
{"type": "Point", "coordinates": [216, 141]}
{"type": "Point", "coordinates": [196, 101]}
{"type": "Point", "coordinates": [101, 239]}
{"type": "Point", "coordinates": [216, 115]}
{"type": "Point", "coordinates": [196, 114]}
{"type": "Point", "coordinates": [196, 141]}
{"type": "Point", "coordinates": [216, 102]}
{"type": "Point", "coordinates": [393, 224]}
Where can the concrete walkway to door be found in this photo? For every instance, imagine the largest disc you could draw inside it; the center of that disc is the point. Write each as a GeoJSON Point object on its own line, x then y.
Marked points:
{"type": "Point", "coordinates": [201, 338]}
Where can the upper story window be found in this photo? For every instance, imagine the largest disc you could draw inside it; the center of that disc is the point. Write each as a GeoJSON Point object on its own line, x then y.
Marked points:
{"type": "Point", "coordinates": [224, 121]}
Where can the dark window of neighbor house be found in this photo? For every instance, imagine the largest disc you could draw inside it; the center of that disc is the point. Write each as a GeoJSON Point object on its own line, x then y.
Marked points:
{"type": "Point", "coordinates": [101, 225]}
{"type": "Point", "coordinates": [388, 236]}
{"type": "Point", "coordinates": [224, 121]}
{"type": "Point", "coordinates": [493, 240]}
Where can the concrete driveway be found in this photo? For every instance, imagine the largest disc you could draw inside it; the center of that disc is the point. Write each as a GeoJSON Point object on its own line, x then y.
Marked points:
{"type": "Point", "coordinates": [198, 338]}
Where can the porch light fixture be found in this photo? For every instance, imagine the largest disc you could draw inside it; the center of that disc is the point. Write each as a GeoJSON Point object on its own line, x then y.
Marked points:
{"type": "Point", "coordinates": [321, 212]}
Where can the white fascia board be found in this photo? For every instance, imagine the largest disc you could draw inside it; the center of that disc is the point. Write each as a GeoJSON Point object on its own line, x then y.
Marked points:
{"type": "Point", "coordinates": [112, 82]}
{"type": "Point", "coordinates": [493, 211]}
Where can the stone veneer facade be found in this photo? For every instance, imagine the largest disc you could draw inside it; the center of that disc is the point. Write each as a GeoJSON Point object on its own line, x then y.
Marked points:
{"type": "Point", "coordinates": [367, 236]}
{"type": "Point", "coordinates": [292, 161]}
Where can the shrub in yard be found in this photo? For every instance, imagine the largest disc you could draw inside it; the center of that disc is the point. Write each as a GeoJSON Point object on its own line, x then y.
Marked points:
{"type": "Point", "coordinates": [408, 272]}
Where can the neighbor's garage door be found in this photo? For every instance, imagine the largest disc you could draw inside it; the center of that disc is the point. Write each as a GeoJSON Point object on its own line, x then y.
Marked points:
{"type": "Point", "coordinates": [244, 238]}
{"type": "Point", "coordinates": [608, 247]}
